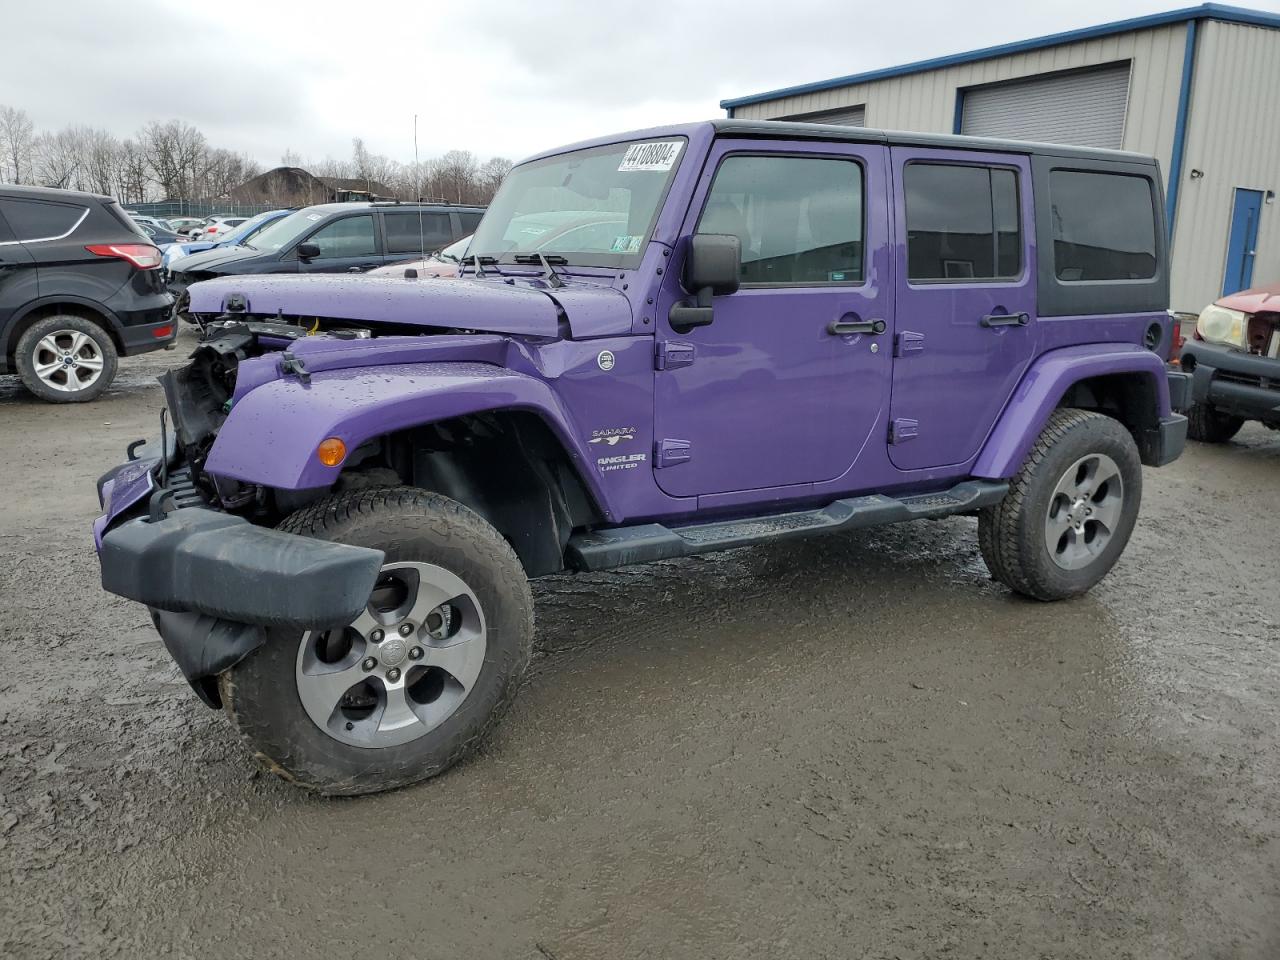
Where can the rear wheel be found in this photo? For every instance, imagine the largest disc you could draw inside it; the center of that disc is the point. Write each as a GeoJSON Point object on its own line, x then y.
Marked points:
{"type": "Point", "coordinates": [66, 359]}
{"type": "Point", "coordinates": [421, 675]}
{"type": "Point", "coordinates": [1070, 508]}
{"type": "Point", "coordinates": [1208, 425]}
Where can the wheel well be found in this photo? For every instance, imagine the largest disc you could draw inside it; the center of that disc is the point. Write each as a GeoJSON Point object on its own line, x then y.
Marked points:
{"type": "Point", "coordinates": [507, 466]}
{"type": "Point", "coordinates": [55, 309]}
{"type": "Point", "coordinates": [1131, 398]}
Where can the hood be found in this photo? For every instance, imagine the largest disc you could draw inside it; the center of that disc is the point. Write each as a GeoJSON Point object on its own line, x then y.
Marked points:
{"type": "Point", "coordinates": [521, 307]}
{"type": "Point", "coordinates": [1255, 300]}
{"type": "Point", "coordinates": [218, 257]}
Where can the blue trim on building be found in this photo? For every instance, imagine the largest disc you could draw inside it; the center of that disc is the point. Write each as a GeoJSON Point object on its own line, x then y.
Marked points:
{"type": "Point", "coordinates": [958, 122]}
{"type": "Point", "coordinates": [1206, 11]}
{"type": "Point", "coordinates": [1180, 128]}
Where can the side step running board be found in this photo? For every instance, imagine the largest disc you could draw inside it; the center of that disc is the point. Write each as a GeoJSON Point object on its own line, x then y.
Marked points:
{"type": "Point", "coordinates": [618, 546]}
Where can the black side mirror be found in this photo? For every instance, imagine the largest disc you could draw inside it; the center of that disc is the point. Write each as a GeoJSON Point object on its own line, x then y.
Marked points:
{"type": "Point", "coordinates": [308, 251]}
{"type": "Point", "coordinates": [713, 268]}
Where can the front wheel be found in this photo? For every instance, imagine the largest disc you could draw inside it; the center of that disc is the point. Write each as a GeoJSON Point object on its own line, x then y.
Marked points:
{"type": "Point", "coordinates": [1208, 425]}
{"type": "Point", "coordinates": [1070, 508]}
{"type": "Point", "coordinates": [419, 678]}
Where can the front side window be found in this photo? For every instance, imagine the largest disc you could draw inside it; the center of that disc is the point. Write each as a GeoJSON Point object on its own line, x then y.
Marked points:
{"type": "Point", "coordinates": [414, 232]}
{"type": "Point", "coordinates": [33, 220]}
{"type": "Point", "coordinates": [593, 207]}
{"type": "Point", "coordinates": [1104, 226]}
{"type": "Point", "coordinates": [799, 219]}
{"type": "Point", "coordinates": [962, 222]}
{"type": "Point", "coordinates": [348, 237]}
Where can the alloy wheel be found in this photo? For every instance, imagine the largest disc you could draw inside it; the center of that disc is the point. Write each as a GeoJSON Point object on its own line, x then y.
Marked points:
{"type": "Point", "coordinates": [1084, 511]}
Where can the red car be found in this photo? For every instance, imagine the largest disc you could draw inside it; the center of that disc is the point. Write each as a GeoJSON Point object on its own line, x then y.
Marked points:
{"type": "Point", "coordinates": [1234, 361]}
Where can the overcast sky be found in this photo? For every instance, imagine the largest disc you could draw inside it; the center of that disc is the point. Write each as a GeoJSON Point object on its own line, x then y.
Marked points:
{"type": "Point", "coordinates": [505, 77]}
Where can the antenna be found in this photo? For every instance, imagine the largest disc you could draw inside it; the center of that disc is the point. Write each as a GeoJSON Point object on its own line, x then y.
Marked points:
{"type": "Point", "coordinates": [417, 189]}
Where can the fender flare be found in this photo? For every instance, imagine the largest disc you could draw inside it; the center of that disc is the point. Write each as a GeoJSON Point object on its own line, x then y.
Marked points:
{"type": "Point", "coordinates": [271, 435]}
{"type": "Point", "coordinates": [1042, 388]}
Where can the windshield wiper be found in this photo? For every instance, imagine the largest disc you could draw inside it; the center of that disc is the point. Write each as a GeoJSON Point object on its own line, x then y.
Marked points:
{"type": "Point", "coordinates": [479, 262]}
{"type": "Point", "coordinates": [549, 272]}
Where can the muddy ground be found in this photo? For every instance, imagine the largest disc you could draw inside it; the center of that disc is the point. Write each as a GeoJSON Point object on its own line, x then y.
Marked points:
{"type": "Point", "coordinates": [853, 747]}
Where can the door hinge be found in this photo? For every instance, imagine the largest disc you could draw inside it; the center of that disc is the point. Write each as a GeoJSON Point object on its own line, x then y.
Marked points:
{"type": "Point", "coordinates": [673, 353]}
{"type": "Point", "coordinates": [902, 429]}
{"type": "Point", "coordinates": [668, 453]}
{"type": "Point", "coordinates": [907, 342]}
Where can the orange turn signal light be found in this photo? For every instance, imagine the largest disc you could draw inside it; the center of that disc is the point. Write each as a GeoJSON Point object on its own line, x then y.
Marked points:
{"type": "Point", "coordinates": [331, 451]}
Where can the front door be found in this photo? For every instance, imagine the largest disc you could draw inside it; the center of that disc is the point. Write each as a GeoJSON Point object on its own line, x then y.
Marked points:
{"type": "Point", "coordinates": [349, 244]}
{"type": "Point", "coordinates": [966, 303]}
{"type": "Point", "coordinates": [785, 387]}
{"type": "Point", "coordinates": [1242, 242]}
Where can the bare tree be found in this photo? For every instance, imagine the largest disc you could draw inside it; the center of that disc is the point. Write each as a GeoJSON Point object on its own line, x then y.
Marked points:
{"type": "Point", "coordinates": [175, 152]}
{"type": "Point", "coordinates": [457, 175]}
{"type": "Point", "coordinates": [490, 176]}
{"type": "Point", "coordinates": [17, 134]}
{"type": "Point", "coordinates": [57, 158]}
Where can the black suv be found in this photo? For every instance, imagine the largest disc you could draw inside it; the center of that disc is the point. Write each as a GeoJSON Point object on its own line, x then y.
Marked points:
{"type": "Point", "coordinates": [79, 286]}
{"type": "Point", "coordinates": [333, 238]}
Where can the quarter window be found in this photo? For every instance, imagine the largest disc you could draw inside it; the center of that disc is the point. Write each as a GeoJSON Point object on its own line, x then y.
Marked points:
{"type": "Point", "coordinates": [348, 237]}
{"type": "Point", "coordinates": [962, 222]}
{"type": "Point", "coordinates": [411, 232]}
{"type": "Point", "coordinates": [40, 220]}
{"type": "Point", "coordinates": [1104, 226]}
{"type": "Point", "coordinates": [799, 219]}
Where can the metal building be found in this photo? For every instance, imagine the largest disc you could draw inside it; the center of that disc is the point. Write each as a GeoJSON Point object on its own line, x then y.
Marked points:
{"type": "Point", "coordinates": [1197, 88]}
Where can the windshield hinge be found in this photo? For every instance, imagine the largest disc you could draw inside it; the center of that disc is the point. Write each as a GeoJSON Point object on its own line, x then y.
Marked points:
{"type": "Point", "coordinates": [291, 364]}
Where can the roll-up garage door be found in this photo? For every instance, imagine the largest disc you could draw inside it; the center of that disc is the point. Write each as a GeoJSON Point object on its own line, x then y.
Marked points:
{"type": "Point", "coordinates": [1085, 108]}
{"type": "Point", "coordinates": [845, 117]}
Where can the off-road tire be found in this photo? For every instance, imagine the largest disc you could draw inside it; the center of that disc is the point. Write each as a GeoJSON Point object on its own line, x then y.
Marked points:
{"type": "Point", "coordinates": [1011, 534]}
{"type": "Point", "coordinates": [25, 357]}
{"type": "Point", "coordinates": [1211, 426]}
{"type": "Point", "coordinates": [260, 694]}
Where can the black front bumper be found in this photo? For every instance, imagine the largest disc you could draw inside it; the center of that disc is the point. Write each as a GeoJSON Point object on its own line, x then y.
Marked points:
{"type": "Point", "coordinates": [1234, 382]}
{"type": "Point", "coordinates": [214, 582]}
{"type": "Point", "coordinates": [196, 560]}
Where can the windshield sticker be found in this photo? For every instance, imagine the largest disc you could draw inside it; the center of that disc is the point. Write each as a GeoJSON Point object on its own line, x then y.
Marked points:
{"type": "Point", "coordinates": [650, 156]}
{"type": "Point", "coordinates": [314, 216]}
{"type": "Point", "coordinates": [629, 243]}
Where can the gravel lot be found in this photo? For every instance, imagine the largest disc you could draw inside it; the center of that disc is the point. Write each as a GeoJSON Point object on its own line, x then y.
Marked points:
{"type": "Point", "coordinates": [853, 747]}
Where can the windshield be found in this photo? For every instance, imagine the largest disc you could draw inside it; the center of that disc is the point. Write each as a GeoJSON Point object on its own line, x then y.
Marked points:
{"type": "Point", "coordinates": [284, 231]}
{"type": "Point", "coordinates": [249, 228]}
{"type": "Point", "coordinates": [594, 207]}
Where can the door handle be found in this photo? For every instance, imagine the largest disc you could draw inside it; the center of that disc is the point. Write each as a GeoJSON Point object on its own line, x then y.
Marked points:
{"type": "Point", "coordinates": [1005, 320]}
{"type": "Point", "coordinates": [842, 328]}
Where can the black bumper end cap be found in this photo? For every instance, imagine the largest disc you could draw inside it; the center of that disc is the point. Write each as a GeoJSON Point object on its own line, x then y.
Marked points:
{"type": "Point", "coordinates": [204, 647]}
{"type": "Point", "coordinates": [201, 561]}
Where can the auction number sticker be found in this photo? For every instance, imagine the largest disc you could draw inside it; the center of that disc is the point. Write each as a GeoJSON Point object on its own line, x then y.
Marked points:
{"type": "Point", "coordinates": [650, 156]}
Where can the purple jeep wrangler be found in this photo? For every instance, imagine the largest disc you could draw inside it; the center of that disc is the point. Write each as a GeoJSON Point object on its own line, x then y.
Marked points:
{"type": "Point", "coordinates": [663, 343]}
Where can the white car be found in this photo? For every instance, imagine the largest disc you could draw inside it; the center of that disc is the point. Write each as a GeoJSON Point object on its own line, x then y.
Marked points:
{"type": "Point", "coordinates": [215, 226]}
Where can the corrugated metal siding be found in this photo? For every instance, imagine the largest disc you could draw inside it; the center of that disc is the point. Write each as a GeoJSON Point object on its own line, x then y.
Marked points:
{"type": "Point", "coordinates": [845, 117]}
{"type": "Point", "coordinates": [1233, 136]}
{"type": "Point", "coordinates": [926, 101]}
{"type": "Point", "coordinates": [1085, 108]}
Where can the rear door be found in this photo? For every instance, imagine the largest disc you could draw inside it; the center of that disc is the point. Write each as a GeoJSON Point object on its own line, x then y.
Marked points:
{"type": "Point", "coordinates": [347, 244]}
{"type": "Point", "coordinates": [409, 233]}
{"type": "Point", "coordinates": [789, 384]}
{"type": "Point", "coordinates": [18, 278]}
{"type": "Point", "coordinates": [966, 300]}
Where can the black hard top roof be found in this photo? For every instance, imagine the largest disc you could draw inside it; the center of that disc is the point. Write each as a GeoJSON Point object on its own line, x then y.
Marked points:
{"type": "Point", "coordinates": [794, 130]}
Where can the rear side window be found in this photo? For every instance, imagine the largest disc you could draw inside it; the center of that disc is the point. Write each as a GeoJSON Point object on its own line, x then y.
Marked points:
{"type": "Point", "coordinates": [348, 237]}
{"type": "Point", "coordinates": [1104, 226]}
{"type": "Point", "coordinates": [962, 223]}
{"type": "Point", "coordinates": [33, 220]}
{"type": "Point", "coordinates": [405, 236]}
{"type": "Point", "coordinates": [469, 219]}
{"type": "Point", "coordinates": [799, 219]}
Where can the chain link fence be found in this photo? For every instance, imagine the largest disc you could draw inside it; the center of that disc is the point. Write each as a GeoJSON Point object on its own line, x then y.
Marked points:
{"type": "Point", "coordinates": [199, 208]}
